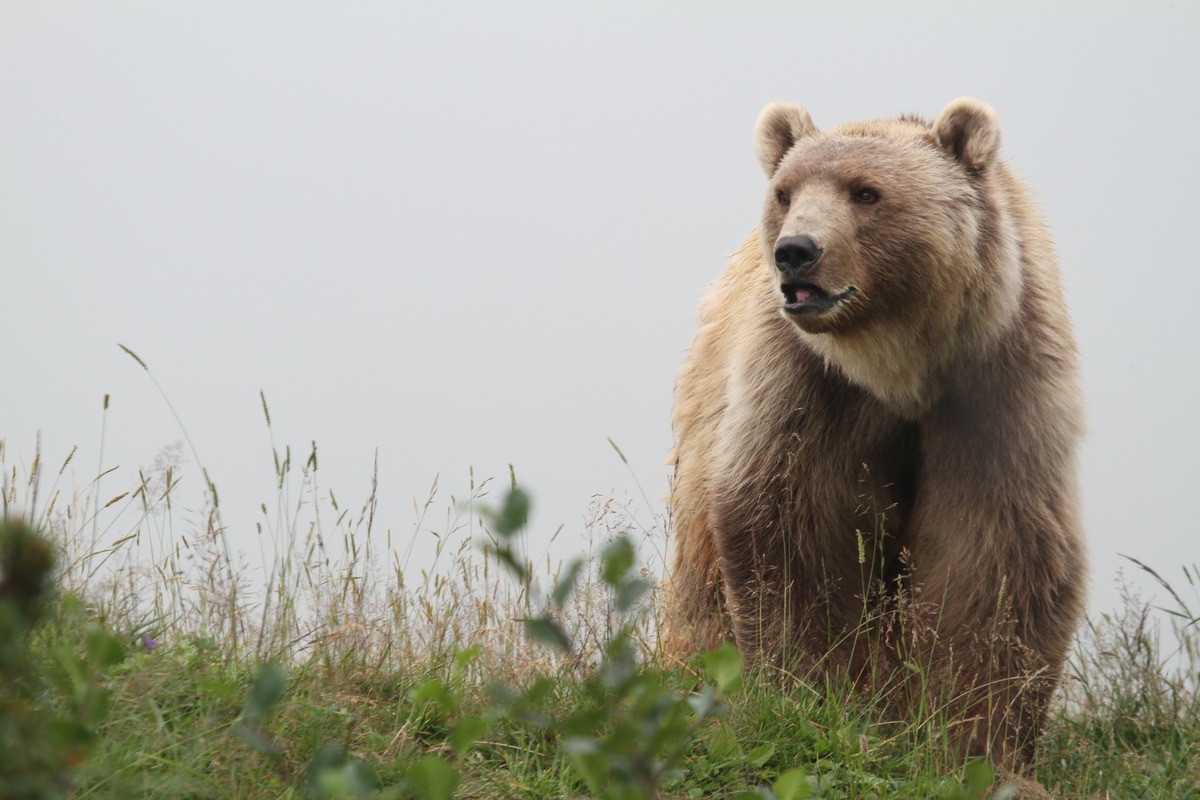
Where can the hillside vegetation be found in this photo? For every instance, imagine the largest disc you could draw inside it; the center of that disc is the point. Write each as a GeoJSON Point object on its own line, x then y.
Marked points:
{"type": "Point", "coordinates": [145, 663]}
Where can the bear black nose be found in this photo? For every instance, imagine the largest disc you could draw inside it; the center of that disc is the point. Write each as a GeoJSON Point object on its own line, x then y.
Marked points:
{"type": "Point", "coordinates": [796, 255]}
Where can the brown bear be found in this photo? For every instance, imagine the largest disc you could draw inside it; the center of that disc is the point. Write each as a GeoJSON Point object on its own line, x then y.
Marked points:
{"type": "Point", "coordinates": [876, 428]}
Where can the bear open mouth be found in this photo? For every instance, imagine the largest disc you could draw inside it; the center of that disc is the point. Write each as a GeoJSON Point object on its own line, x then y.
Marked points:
{"type": "Point", "coordinates": [800, 298]}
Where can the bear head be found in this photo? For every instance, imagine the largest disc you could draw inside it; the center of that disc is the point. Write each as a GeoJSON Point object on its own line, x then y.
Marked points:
{"type": "Point", "coordinates": [890, 243]}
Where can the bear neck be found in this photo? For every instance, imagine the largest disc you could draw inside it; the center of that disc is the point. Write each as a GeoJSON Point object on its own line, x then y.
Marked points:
{"type": "Point", "coordinates": [911, 372]}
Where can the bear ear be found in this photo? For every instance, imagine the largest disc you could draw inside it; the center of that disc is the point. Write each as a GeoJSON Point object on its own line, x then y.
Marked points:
{"type": "Point", "coordinates": [967, 129]}
{"type": "Point", "coordinates": [779, 126]}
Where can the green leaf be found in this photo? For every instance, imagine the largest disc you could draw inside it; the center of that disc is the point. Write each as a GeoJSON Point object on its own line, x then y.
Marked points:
{"type": "Point", "coordinates": [792, 785]}
{"type": "Point", "coordinates": [103, 648]}
{"type": "Point", "coordinates": [585, 721]}
{"type": "Point", "coordinates": [352, 779]}
{"type": "Point", "coordinates": [504, 696]}
{"type": "Point", "coordinates": [257, 740]}
{"type": "Point", "coordinates": [327, 757]}
{"type": "Point", "coordinates": [547, 632]}
{"type": "Point", "coordinates": [512, 514]}
{"type": "Point", "coordinates": [463, 659]}
{"type": "Point", "coordinates": [724, 747]}
{"type": "Point", "coordinates": [723, 666]}
{"type": "Point", "coordinates": [326, 776]}
{"type": "Point", "coordinates": [97, 707]}
{"type": "Point", "coordinates": [506, 557]}
{"type": "Point", "coordinates": [71, 733]}
{"type": "Point", "coordinates": [620, 665]}
{"type": "Point", "coordinates": [588, 759]}
{"type": "Point", "coordinates": [630, 592]}
{"type": "Point", "coordinates": [71, 606]}
{"type": "Point", "coordinates": [977, 777]}
{"type": "Point", "coordinates": [433, 778]}
{"type": "Point", "coordinates": [219, 687]}
{"type": "Point", "coordinates": [266, 692]}
{"type": "Point", "coordinates": [466, 733]}
{"type": "Point", "coordinates": [616, 560]}
{"type": "Point", "coordinates": [434, 691]}
{"type": "Point", "coordinates": [705, 704]}
{"type": "Point", "coordinates": [71, 677]}
{"type": "Point", "coordinates": [566, 583]}
{"type": "Point", "coordinates": [760, 755]}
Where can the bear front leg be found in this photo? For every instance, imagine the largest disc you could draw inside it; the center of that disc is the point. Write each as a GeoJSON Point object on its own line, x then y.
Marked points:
{"type": "Point", "coordinates": [694, 618]}
{"type": "Point", "coordinates": [1000, 574]}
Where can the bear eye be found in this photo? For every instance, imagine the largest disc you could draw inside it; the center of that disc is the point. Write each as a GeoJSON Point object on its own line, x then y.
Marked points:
{"type": "Point", "coordinates": [865, 196]}
{"type": "Point", "coordinates": [783, 197]}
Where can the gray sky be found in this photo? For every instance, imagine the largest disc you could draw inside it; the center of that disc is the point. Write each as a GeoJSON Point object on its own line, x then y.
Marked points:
{"type": "Point", "coordinates": [469, 235]}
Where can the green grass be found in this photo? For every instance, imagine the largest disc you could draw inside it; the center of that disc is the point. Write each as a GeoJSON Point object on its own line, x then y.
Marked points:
{"type": "Point", "coordinates": [159, 669]}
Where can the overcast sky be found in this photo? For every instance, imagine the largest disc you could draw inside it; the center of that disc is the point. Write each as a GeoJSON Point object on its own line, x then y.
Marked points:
{"type": "Point", "coordinates": [466, 235]}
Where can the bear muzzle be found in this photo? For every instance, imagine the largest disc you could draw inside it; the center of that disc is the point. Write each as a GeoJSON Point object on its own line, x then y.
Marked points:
{"type": "Point", "coordinates": [796, 257]}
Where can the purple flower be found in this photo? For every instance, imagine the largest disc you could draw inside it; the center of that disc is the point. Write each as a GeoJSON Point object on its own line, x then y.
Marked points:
{"type": "Point", "coordinates": [149, 644]}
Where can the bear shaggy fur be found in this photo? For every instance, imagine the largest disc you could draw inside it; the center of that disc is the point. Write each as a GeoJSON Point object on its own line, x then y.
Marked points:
{"type": "Point", "coordinates": [876, 429]}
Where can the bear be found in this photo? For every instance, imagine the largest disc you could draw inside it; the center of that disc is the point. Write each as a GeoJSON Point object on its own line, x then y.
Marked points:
{"type": "Point", "coordinates": [876, 429]}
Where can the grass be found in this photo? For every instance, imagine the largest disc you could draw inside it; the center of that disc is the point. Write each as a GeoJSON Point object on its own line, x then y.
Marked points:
{"type": "Point", "coordinates": [159, 669]}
